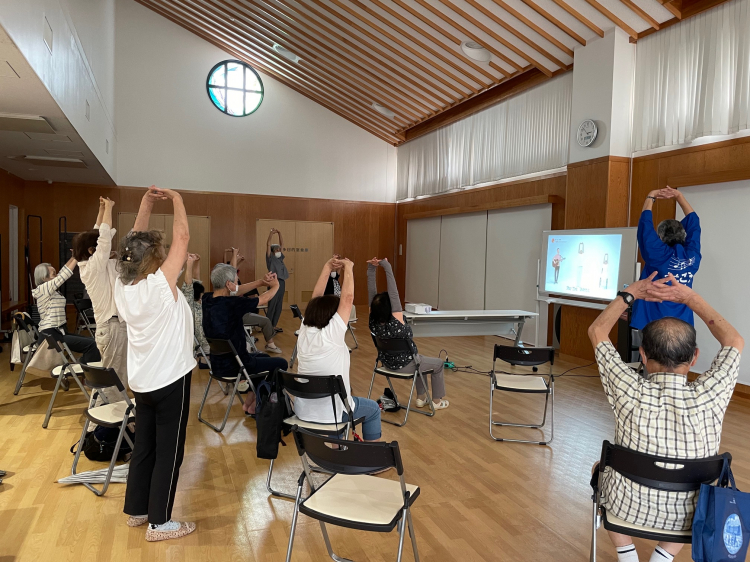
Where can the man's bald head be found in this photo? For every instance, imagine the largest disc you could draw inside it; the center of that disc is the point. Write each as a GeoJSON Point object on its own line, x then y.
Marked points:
{"type": "Point", "coordinates": [669, 341]}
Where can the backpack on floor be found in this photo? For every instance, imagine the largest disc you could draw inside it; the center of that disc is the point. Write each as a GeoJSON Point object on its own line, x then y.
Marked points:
{"type": "Point", "coordinates": [99, 445]}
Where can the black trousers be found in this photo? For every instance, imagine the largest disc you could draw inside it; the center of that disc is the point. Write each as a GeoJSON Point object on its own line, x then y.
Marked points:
{"type": "Point", "coordinates": [81, 344]}
{"type": "Point", "coordinates": [161, 421]}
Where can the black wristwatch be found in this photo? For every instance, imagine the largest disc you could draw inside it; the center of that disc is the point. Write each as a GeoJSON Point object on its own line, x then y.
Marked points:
{"type": "Point", "coordinates": [627, 297]}
{"type": "Point", "coordinates": [651, 197]}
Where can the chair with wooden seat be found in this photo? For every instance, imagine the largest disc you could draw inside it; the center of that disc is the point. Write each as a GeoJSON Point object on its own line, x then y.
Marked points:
{"type": "Point", "coordinates": [225, 347]}
{"type": "Point", "coordinates": [297, 314]}
{"type": "Point", "coordinates": [315, 388]}
{"type": "Point", "coordinates": [25, 323]}
{"type": "Point", "coordinates": [355, 501]}
{"type": "Point", "coordinates": [523, 383]}
{"type": "Point", "coordinates": [392, 346]}
{"type": "Point", "coordinates": [109, 414]}
{"type": "Point", "coordinates": [70, 368]}
{"type": "Point", "coordinates": [652, 471]}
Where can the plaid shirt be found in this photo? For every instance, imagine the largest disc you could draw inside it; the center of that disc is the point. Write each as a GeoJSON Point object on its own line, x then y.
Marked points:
{"type": "Point", "coordinates": [662, 414]}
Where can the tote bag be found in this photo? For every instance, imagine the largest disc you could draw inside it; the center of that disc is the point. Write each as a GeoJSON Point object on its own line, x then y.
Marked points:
{"type": "Point", "coordinates": [721, 523]}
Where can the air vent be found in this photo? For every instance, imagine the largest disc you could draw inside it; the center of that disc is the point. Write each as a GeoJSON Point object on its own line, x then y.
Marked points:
{"type": "Point", "coordinates": [48, 137]}
{"type": "Point", "coordinates": [383, 110]}
{"type": "Point", "coordinates": [25, 124]}
{"type": "Point", "coordinates": [475, 51]}
{"type": "Point", "coordinates": [50, 161]}
{"type": "Point", "coordinates": [286, 53]}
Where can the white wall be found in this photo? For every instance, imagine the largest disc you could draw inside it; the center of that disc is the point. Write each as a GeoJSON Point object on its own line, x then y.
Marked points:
{"type": "Point", "coordinates": [721, 280]}
{"type": "Point", "coordinates": [81, 29]}
{"type": "Point", "coordinates": [171, 135]}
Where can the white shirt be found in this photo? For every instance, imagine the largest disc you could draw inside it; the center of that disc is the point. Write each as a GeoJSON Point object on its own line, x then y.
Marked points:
{"type": "Point", "coordinates": [320, 353]}
{"type": "Point", "coordinates": [160, 332]}
{"type": "Point", "coordinates": [99, 274]}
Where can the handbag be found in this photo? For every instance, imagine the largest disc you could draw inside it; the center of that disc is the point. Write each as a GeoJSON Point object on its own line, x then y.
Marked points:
{"type": "Point", "coordinates": [270, 411]}
{"type": "Point", "coordinates": [721, 520]}
{"type": "Point", "coordinates": [99, 445]}
{"type": "Point", "coordinates": [45, 359]}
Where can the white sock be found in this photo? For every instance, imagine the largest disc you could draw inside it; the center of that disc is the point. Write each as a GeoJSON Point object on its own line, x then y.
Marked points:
{"type": "Point", "coordinates": [168, 526]}
{"type": "Point", "coordinates": [627, 553]}
{"type": "Point", "coordinates": [661, 555]}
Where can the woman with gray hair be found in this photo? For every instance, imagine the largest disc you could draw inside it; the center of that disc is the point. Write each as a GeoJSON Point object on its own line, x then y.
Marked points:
{"type": "Point", "coordinates": [275, 264]}
{"type": "Point", "coordinates": [160, 364]}
{"type": "Point", "coordinates": [51, 306]}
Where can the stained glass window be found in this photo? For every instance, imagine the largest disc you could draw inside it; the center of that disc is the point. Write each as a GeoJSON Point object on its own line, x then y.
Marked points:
{"type": "Point", "coordinates": [235, 88]}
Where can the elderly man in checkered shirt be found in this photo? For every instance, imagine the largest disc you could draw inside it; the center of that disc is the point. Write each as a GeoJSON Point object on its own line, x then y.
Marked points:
{"type": "Point", "coordinates": [661, 413]}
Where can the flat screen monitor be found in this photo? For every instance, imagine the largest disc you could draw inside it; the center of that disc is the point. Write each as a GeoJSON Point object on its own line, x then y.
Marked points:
{"type": "Point", "coordinates": [593, 264]}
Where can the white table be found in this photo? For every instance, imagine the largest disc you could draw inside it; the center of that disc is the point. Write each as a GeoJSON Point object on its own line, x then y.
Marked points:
{"type": "Point", "coordinates": [469, 323]}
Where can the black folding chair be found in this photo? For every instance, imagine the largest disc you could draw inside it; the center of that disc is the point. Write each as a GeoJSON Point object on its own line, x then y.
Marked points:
{"type": "Point", "coordinates": [297, 314]}
{"type": "Point", "coordinates": [315, 388]}
{"type": "Point", "coordinates": [198, 350]}
{"type": "Point", "coordinates": [85, 317]}
{"type": "Point", "coordinates": [389, 346]}
{"type": "Point", "coordinates": [524, 384]}
{"type": "Point", "coordinates": [109, 414]}
{"type": "Point", "coordinates": [27, 324]}
{"type": "Point", "coordinates": [225, 347]}
{"type": "Point", "coordinates": [70, 367]}
{"type": "Point", "coordinates": [652, 471]}
{"type": "Point", "coordinates": [354, 501]}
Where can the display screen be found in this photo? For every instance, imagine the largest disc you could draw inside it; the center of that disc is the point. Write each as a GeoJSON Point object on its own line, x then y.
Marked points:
{"type": "Point", "coordinates": [585, 265]}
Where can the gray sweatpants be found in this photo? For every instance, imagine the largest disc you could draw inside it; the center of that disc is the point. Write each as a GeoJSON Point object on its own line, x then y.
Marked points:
{"type": "Point", "coordinates": [262, 322]}
{"type": "Point", "coordinates": [276, 304]}
{"type": "Point", "coordinates": [436, 378]}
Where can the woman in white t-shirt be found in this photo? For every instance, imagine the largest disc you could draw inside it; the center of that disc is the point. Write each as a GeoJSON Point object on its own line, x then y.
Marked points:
{"type": "Point", "coordinates": [160, 364]}
{"type": "Point", "coordinates": [322, 351]}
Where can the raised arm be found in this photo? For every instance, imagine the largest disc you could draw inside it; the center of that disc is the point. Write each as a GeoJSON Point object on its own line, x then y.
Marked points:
{"type": "Point", "coordinates": [196, 267]}
{"type": "Point", "coordinates": [281, 240]}
{"type": "Point", "coordinates": [320, 284]}
{"type": "Point", "coordinates": [651, 198]}
{"type": "Point", "coordinates": [55, 283]}
{"type": "Point", "coordinates": [191, 261]}
{"type": "Point", "coordinates": [264, 282]}
{"type": "Point", "coordinates": [100, 216]}
{"type": "Point", "coordinates": [372, 280]}
{"type": "Point", "coordinates": [268, 242]}
{"type": "Point", "coordinates": [346, 300]}
{"type": "Point", "coordinates": [273, 287]}
{"type": "Point", "coordinates": [172, 266]}
{"type": "Point", "coordinates": [104, 242]}
{"type": "Point", "coordinates": [147, 204]}
{"type": "Point", "coordinates": [602, 326]}
{"type": "Point", "coordinates": [683, 202]}
{"type": "Point", "coordinates": [106, 215]}
{"type": "Point", "coordinates": [391, 287]}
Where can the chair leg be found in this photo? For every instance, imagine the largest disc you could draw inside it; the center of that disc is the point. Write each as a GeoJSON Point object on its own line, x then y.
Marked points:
{"type": "Point", "coordinates": [294, 357]}
{"type": "Point", "coordinates": [592, 555]}
{"type": "Point", "coordinates": [413, 535]}
{"type": "Point", "coordinates": [270, 489]}
{"type": "Point", "coordinates": [294, 520]}
{"type": "Point", "coordinates": [349, 329]}
{"type": "Point", "coordinates": [112, 463]}
{"type": "Point", "coordinates": [80, 447]}
{"type": "Point", "coordinates": [52, 400]}
{"type": "Point", "coordinates": [372, 382]}
{"type": "Point", "coordinates": [408, 407]}
{"type": "Point", "coordinates": [22, 374]}
{"type": "Point", "coordinates": [229, 406]}
{"type": "Point", "coordinates": [402, 532]}
{"type": "Point", "coordinates": [327, 540]}
{"type": "Point", "coordinates": [532, 426]}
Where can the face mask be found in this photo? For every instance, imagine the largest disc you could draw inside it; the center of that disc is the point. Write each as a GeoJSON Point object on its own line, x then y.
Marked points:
{"type": "Point", "coordinates": [233, 293]}
{"type": "Point", "coordinates": [277, 254]}
{"type": "Point", "coordinates": [334, 274]}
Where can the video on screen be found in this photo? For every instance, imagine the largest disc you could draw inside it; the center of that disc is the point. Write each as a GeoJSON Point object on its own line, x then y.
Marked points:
{"type": "Point", "coordinates": [585, 265]}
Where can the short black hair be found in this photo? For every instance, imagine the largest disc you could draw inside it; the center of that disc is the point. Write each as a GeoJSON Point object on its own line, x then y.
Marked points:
{"type": "Point", "coordinates": [671, 232]}
{"type": "Point", "coordinates": [83, 242]}
{"type": "Point", "coordinates": [380, 308]}
{"type": "Point", "coordinates": [320, 310]}
{"type": "Point", "coordinates": [198, 290]}
{"type": "Point", "coordinates": [669, 341]}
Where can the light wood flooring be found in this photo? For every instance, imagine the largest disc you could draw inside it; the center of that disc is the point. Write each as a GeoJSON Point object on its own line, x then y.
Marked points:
{"type": "Point", "coordinates": [480, 500]}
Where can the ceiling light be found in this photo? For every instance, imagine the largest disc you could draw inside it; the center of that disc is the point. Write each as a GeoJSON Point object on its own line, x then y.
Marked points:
{"type": "Point", "coordinates": [286, 53]}
{"type": "Point", "coordinates": [50, 161]}
{"type": "Point", "coordinates": [475, 51]}
{"type": "Point", "coordinates": [383, 110]}
{"type": "Point", "coordinates": [25, 123]}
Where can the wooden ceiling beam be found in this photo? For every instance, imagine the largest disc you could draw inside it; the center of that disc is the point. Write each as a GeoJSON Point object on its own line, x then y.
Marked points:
{"type": "Point", "coordinates": [474, 21]}
{"type": "Point", "coordinates": [641, 13]}
{"type": "Point", "coordinates": [554, 21]}
{"type": "Point", "coordinates": [455, 40]}
{"type": "Point", "coordinates": [673, 7]}
{"type": "Point", "coordinates": [613, 18]}
{"type": "Point", "coordinates": [579, 17]}
{"type": "Point", "coordinates": [519, 16]}
{"type": "Point", "coordinates": [505, 25]}
{"type": "Point", "coordinates": [390, 138]}
{"type": "Point", "coordinates": [453, 96]}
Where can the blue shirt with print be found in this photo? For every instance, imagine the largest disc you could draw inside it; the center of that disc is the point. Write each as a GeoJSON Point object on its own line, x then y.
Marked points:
{"type": "Point", "coordinates": [681, 260]}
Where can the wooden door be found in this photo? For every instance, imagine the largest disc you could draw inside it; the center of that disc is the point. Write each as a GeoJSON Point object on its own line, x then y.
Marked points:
{"type": "Point", "coordinates": [288, 231]}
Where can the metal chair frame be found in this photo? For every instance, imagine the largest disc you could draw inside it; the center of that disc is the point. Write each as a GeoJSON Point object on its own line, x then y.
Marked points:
{"type": "Point", "coordinates": [297, 314]}
{"type": "Point", "coordinates": [680, 475]}
{"type": "Point", "coordinates": [55, 341]}
{"type": "Point", "coordinates": [30, 327]}
{"type": "Point", "coordinates": [198, 350]}
{"type": "Point", "coordinates": [83, 321]}
{"type": "Point", "coordinates": [525, 357]}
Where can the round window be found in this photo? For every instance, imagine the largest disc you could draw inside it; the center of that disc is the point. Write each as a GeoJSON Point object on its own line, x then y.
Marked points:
{"type": "Point", "coordinates": [235, 88]}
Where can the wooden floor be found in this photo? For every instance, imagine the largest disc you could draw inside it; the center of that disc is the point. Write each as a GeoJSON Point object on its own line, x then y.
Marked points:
{"type": "Point", "coordinates": [480, 500]}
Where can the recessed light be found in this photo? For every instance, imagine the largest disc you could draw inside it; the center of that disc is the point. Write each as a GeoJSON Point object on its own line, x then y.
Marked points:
{"type": "Point", "coordinates": [286, 53]}
{"type": "Point", "coordinates": [383, 110]}
{"type": "Point", "coordinates": [475, 51]}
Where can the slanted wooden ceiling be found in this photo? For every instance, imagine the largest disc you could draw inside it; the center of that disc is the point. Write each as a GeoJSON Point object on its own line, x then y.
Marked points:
{"type": "Point", "coordinates": [406, 55]}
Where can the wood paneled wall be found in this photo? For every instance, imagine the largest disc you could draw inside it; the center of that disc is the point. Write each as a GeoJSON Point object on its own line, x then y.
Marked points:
{"type": "Point", "coordinates": [362, 229]}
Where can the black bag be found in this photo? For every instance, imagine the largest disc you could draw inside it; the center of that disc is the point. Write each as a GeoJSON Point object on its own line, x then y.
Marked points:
{"type": "Point", "coordinates": [99, 445]}
{"type": "Point", "coordinates": [270, 411]}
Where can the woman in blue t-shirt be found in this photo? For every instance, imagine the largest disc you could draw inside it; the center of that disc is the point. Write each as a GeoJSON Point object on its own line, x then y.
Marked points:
{"type": "Point", "coordinates": [674, 247]}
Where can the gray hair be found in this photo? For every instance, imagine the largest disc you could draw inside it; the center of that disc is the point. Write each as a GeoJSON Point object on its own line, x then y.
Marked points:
{"type": "Point", "coordinates": [221, 274]}
{"type": "Point", "coordinates": [140, 253]}
{"type": "Point", "coordinates": [41, 272]}
{"type": "Point", "coordinates": [671, 232]}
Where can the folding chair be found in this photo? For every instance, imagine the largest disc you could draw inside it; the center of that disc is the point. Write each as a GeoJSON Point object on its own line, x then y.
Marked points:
{"type": "Point", "coordinates": [400, 345]}
{"type": "Point", "coordinates": [85, 317]}
{"type": "Point", "coordinates": [352, 320]}
{"type": "Point", "coordinates": [651, 471]}
{"type": "Point", "coordinates": [524, 384]}
{"type": "Point", "coordinates": [297, 314]}
{"type": "Point", "coordinates": [26, 324]}
{"type": "Point", "coordinates": [354, 501]}
{"type": "Point", "coordinates": [250, 338]}
{"type": "Point", "coordinates": [225, 347]}
{"type": "Point", "coordinates": [198, 350]}
{"type": "Point", "coordinates": [114, 414]}
{"type": "Point", "coordinates": [311, 388]}
{"type": "Point", "coordinates": [70, 367]}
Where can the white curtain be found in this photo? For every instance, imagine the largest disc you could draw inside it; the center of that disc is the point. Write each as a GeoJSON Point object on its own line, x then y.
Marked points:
{"type": "Point", "coordinates": [693, 79]}
{"type": "Point", "coordinates": [524, 134]}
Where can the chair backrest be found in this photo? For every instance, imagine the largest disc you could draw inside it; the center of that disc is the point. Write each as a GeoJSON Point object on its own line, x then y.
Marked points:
{"type": "Point", "coordinates": [295, 311]}
{"type": "Point", "coordinates": [24, 321]}
{"type": "Point", "coordinates": [312, 387]}
{"type": "Point", "coordinates": [679, 475]}
{"type": "Point", "coordinates": [350, 456]}
{"type": "Point", "coordinates": [525, 356]}
{"type": "Point", "coordinates": [221, 347]}
{"type": "Point", "coordinates": [82, 305]}
{"type": "Point", "coordinates": [102, 377]}
{"type": "Point", "coordinates": [391, 345]}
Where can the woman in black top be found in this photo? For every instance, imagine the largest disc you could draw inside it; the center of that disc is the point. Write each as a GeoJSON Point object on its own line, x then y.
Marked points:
{"type": "Point", "coordinates": [387, 321]}
{"type": "Point", "coordinates": [333, 286]}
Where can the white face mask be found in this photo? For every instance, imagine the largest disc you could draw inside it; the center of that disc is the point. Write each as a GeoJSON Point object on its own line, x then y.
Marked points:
{"type": "Point", "coordinates": [236, 290]}
{"type": "Point", "coordinates": [233, 293]}
{"type": "Point", "coordinates": [334, 274]}
{"type": "Point", "coordinates": [277, 254]}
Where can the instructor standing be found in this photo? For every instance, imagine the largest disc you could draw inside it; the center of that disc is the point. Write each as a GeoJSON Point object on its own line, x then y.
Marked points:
{"type": "Point", "coordinates": [275, 264]}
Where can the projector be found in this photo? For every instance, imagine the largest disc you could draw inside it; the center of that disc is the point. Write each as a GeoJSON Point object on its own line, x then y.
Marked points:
{"type": "Point", "coordinates": [417, 308]}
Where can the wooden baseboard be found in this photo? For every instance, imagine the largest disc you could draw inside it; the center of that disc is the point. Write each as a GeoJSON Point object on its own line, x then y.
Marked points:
{"type": "Point", "coordinates": [741, 391]}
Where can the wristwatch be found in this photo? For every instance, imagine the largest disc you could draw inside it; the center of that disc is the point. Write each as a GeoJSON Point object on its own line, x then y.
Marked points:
{"type": "Point", "coordinates": [651, 197]}
{"type": "Point", "coordinates": [627, 297]}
